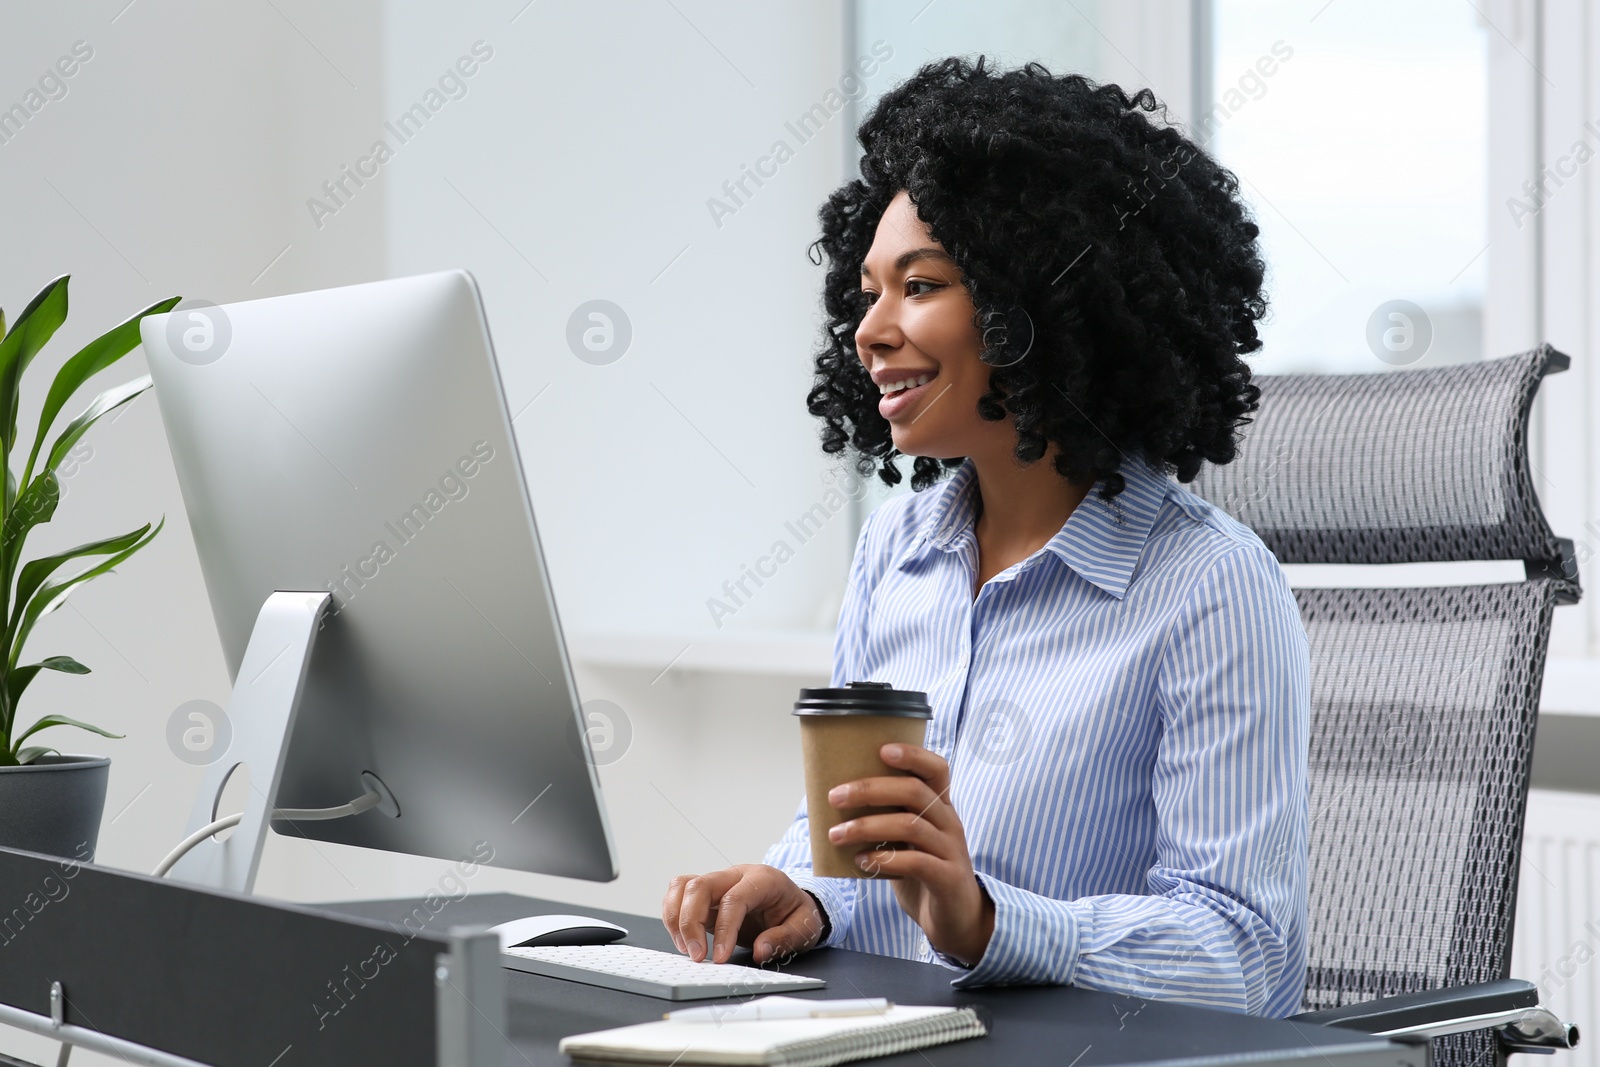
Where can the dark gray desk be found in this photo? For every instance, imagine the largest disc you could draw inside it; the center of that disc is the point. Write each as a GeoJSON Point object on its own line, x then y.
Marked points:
{"type": "Point", "coordinates": [1032, 1025]}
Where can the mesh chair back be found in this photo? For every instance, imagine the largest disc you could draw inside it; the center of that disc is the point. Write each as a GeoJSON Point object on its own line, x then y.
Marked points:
{"type": "Point", "coordinates": [1420, 466]}
{"type": "Point", "coordinates": [1423, 700]}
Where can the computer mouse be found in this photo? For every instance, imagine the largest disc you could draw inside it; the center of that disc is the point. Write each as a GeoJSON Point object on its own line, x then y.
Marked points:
{"type": "Point", "coordinates": [538, 931]}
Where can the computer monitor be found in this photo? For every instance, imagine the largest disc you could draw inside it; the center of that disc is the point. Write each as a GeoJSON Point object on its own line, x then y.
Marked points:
{"type": "Point", "coordinates": [354, 446]}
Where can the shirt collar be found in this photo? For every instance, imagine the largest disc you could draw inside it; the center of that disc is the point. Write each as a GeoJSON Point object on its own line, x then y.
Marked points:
{"type": "Point", "coordinates": [954, 508]}
{"type": "Point", "coordinates": [1101, 540]}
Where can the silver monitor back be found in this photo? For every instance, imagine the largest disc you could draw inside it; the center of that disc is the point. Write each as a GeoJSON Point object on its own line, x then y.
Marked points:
{"type": "Point", "coordinates": [358, 440]}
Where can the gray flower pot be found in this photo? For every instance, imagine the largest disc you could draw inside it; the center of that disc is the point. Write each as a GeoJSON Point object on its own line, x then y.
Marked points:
{"type": "Point", "coordinates": [53, 805]}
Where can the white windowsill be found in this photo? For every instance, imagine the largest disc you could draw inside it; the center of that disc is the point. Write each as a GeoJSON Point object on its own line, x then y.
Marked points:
{"type": "Point", "coordinates": [1571, 686]}
{"type": "Point", "coordinates": [800, 653]}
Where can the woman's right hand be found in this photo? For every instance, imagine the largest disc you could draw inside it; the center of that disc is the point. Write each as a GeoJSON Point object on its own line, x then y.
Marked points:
{"type": "Point", "coordinates": [748, 904]}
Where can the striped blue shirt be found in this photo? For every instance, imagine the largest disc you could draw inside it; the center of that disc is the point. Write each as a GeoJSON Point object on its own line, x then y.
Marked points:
{"type": "Point", "coordinates": [1125, 713]}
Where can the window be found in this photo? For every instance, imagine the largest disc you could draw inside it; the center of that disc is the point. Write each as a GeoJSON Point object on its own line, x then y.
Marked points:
{"type": "Point", "coordinates": [1359, 132]}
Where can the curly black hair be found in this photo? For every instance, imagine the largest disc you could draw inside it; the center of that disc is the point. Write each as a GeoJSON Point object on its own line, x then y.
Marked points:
{"type": "Point", "coordinates": [1111, 242]}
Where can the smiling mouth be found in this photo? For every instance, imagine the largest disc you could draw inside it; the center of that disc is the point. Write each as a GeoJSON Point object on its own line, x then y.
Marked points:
{"type": "Point", "coordinates": [900, 397]}
{"type": "Point", "coordinates": [891, 388]}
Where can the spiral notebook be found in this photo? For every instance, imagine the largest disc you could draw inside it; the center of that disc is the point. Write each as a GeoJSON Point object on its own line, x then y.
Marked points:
{"type": "Point", "coordinates": [782, 1042]}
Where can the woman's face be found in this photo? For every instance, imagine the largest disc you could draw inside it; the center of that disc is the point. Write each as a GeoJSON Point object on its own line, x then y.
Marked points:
{"type": "Point", "coordinates": [919, 328]}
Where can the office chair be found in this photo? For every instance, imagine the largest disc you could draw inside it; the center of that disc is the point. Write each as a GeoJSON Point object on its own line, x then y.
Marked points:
{"type": "Point", "coordinates": [1423, 700]}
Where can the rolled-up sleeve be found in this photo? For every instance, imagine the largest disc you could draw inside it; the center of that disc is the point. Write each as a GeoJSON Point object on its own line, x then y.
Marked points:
{"type": "Point", "coordinates": [792, 856]}
{"type": "Point", "coordinates": [792, 853]}
{"type": "Point", "coordinates": [1223, 922]}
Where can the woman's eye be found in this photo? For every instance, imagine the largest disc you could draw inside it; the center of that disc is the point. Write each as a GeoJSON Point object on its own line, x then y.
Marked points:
{"type": "Point", "coordinates": [914, 287]}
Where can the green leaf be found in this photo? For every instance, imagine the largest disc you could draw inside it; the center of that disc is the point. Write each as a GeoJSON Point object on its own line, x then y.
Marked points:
{"type": "Point", "coordinates": [11, 489]}
{"type": "Point", "coordinates": [33, 752]}
{"type": "Point", "coordinates": [62, 720]}
{"type": "Point", "coordinates": [36, 571]}
{"type": "Point", "coordinates": [36, 505]}
{"type": "Point", "coordinates": [64, 664]}
{"type": "Point", "coordinates": [103, 404]}
{"type": "Point", "coordinates": [18, 679]}
{"type": "Point", "coordinates": [33, 328]}
{"type": "Point", "coordinates": [93, 358]}
{"type": "Point", "coordinates": [38, 499]}
{"type": "Point", "coordinates": [51, 595]}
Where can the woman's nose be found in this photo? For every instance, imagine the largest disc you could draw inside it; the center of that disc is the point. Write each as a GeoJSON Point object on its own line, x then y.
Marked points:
{"type": "Point", "coordinates": [880, 327]}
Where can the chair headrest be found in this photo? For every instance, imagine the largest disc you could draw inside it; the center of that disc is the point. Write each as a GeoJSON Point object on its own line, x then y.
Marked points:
{"type": "Point", "coordinates": [1403, 467]}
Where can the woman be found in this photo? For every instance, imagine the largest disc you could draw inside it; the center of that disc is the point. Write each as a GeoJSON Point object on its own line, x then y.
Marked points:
{"type": "Point", "coordinates": [1040, 291]}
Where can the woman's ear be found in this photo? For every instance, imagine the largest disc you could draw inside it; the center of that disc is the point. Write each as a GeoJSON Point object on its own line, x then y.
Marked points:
{"type": "Point", "coordinates": [1007, 335]}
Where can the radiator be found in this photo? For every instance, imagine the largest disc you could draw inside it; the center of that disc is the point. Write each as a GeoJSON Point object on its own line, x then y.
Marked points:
{"type": "Point", "coordinates": [1557, 938]}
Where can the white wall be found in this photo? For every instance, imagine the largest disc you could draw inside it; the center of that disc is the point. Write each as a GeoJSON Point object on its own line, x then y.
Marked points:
{"type": "Point", "coordinates": [190, 144]}
{"type": "Point", "coordinates": [578, 167]}
{"type": "Point", "coordinates": [165, 169]}
{"type": "Point", "coordinates": [171, 166]}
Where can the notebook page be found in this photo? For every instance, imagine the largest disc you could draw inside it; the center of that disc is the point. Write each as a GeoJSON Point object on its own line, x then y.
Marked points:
{"type": "Point", "coordinates": [763, 1042]}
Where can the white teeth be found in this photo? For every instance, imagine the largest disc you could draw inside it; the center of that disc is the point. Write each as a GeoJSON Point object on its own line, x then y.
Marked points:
{"type": "Point", "coordinates": [890, 388]}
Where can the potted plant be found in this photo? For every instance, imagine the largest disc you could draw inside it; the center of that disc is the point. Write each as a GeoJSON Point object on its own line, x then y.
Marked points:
{"type": "Point", "coordinates": [49, 801]}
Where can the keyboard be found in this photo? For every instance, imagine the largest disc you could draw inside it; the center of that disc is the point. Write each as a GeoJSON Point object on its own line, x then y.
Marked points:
{"type": "Point", "coordinates": [666, 975]}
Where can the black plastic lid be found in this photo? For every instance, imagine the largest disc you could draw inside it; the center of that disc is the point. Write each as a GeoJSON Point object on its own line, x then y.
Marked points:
{"type": "Point", "coordinates": [864, 698]}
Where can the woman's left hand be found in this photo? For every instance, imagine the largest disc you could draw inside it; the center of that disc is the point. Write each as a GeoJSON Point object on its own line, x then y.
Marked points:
{"type": "Point", "coordinates": [936, 885]}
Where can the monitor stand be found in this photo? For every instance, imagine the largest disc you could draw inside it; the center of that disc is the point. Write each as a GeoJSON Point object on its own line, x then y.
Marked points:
{"type": "Point", "coordinates": [261, 711]}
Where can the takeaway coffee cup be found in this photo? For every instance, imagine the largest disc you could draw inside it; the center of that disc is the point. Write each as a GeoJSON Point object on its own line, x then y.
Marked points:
{"type": "Point", "coordinates": [841, 731]}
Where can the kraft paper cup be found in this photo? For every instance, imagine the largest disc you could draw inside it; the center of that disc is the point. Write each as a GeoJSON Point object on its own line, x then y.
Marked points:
{"type": "Point", "coordinates": [841, 731]}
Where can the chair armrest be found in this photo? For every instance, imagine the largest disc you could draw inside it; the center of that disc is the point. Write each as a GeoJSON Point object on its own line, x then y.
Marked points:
{"type": "Point", "coordinates": [1510, 995]}
{"type": "Point", "coordinates": [1510, 1006]}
